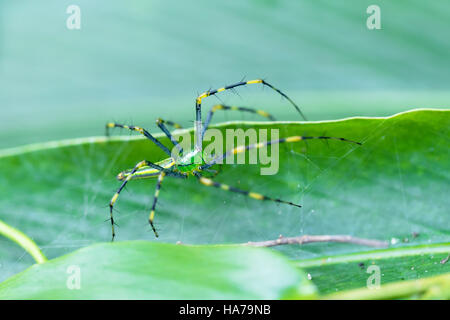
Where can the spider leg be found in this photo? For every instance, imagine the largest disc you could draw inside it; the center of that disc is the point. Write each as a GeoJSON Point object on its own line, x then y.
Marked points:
{"type": "Point", "coordinates": [225, 107]}
{"type": "Point", "coordinates": [160, 123]}
{"type": "Point", "coordinates": [210, 183]}
{"type": "Point", "coordinates": [125, 181]}
{"type": "Point", "coordinates": [172, 124]}
{"type": "Point", "coordinates": [198, 104]}
{"type": "Point", "coordinates": [243, 148]}
{"type": "Point", "coordinates": [155, 200]}
{"type": "Point", "coordinates": [213, 172]}
{"type": "Point", "coordinates": [141, 131]}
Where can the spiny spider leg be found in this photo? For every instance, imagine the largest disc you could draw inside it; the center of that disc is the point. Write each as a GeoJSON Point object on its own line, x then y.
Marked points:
{"type": "Point", "coordinates": [198, 105]}
{"type": "Point", "coordinates": [259, 145]}
{"type": "Point", "coordinates": [172, 124]}
{"type": "Point", "coordinates": [155, 199]}
{"type": "Point", "coordinates": [225, 107]}
{"type": "Point", "coordinates": [160, 123]}
{"type": "Point", "coordinates": [210, 183]}
{"type": "Point", "coordinates": [128, 177]}
{"type": "Point", "coordinates": [141, 131]}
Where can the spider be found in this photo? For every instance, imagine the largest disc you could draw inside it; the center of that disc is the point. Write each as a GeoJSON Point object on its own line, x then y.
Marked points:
{"type": "Point", "coordinates": [191, 163]}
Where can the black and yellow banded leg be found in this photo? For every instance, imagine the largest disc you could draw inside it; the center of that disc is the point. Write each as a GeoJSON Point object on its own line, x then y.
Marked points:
{"type": "Point", "coordinates": [210, 183]}
{"type": "Point", "coordinates": [141, 164]}
{"type": "Point", "coordinates": [212, 173]}
{"type": "Point", "coordinates": [259, 145]}
{"type": "Point", "coordinates": [198, 103]}
{"type": "Point", "coordinates": [160, 123]}
{"type": "Point", "coordinates": [243, 109]}
{"type": "Point", "coordinates": [155, 200]}
{"type": "Point", "coordinates": [171, 123]}
{"type": "Point", "coordinates": [142, 131]}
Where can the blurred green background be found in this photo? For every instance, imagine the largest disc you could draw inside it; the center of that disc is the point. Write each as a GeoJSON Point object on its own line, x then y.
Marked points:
{"type": "Point", "coordinates": [133, 61]}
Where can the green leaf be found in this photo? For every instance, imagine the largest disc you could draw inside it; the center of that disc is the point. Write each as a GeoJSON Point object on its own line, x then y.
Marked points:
{"type": "Point", "coordinates": [437, 287]}
{"type": "Point", "coordinates": [343, 272]}
{"type": "Point", "coordinates": [390, 188]}
{"type": "Point", "coordinates": [144, 270]}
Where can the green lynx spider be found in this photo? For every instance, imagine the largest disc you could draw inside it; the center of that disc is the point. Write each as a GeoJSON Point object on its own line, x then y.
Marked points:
{"type": "Point", "coordinates": [188, 163]}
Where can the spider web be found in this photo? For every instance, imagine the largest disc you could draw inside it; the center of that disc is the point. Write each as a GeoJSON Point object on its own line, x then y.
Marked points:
{"type": "Point", "coordinates": [192, 213]}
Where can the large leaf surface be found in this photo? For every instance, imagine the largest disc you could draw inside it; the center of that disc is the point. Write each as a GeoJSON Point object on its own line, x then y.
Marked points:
{"type": "Point", "coordinates": [341, 272]}
{"type": "Point", "coordinates": [144, 270]}
{"type": "Point", "coordinates": [389, 188]}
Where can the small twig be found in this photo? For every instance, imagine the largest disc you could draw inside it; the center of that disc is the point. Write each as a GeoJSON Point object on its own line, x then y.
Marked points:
{"type": "Point", "coordinates": [319, 238]}
{"type": "Point", "coordinates": [22, 240]}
